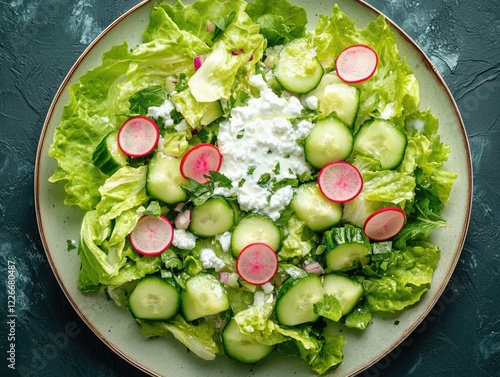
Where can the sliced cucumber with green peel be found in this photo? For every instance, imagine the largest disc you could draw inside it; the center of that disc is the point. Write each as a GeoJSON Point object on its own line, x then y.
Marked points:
{"type": "Point", "coordinates": [329, 140]}
{"type": "Point", "coordinates": [154, 298]}
{"type": "Point", "coordinates": [341, 99]}
{"type": "Point", "coordinates": [204, 295]}
{"type": "Point", "coordinates": [255, 228]}
{"type": "Point", "coordinates": [164, 179]}
{"type": "Point", "coordinates": [346, 290]}
{"type": "Point", "coordinates": [108, 156]}
{"type": "Point", "coordinates": [346, 248]}
{"type": "Point", "coordinates": [314, 209]}
{"type": "Point", "coordinates": [296, 298]}
{"type": "Point", "coordinates": [213, 111]}
{"type": "Point", "coordinates": [383, 140]}
{"type": "Point", "coordinates": [214, 217]}
{"type": "Point", "coordinates": [241, 347]}
{"type": "Point", "coordinates": [298, 69]}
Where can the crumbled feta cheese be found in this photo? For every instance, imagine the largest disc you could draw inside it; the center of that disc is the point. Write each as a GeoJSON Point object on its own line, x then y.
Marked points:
{"type": "Point", "coordinates": [182, 126]}
{"type": "Point", "coordinates": [312, 102]}
{"type": "Point", "coordinates": [268, 288]}
{"type": "Point", "coordinates": [259, 298]}
{"type": "Point", "coordinates": [183, 239]}
{"type": "Point", "coordinates": [388, 111]}
{"type": "Point", "coordinates": [259, 140]}
{"type": "Point", "coordinates": [163, 112]}
{"type": "Point", "coordinates": [224, 240]}
{"type": "Point", "coordinates": [210, 260]}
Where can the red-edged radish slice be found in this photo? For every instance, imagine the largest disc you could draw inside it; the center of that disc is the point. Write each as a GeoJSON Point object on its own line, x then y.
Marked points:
{"type": "Point", "coordinates": [384, 223]}
{"type": "Point", "coordinates": [340, 181]}
{"type": "Point", "coordinates": [138, 136]}
{"type": "Point", "coordinates": [257, 263]}
{"type": "Point", "coordinates": [356, 63]}
{"type": "Point", "coordinates": [199, 161]}
{"type": "Point", "coordinates": [152, 235]}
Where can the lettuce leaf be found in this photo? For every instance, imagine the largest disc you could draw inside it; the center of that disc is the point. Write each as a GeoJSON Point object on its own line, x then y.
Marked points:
{"type": "Point", "coordinates": [406, 276]}
{"type": "Point", "coordinates": [298, 240]}
{"type": "Point", "coordinates": [105, 256]}
{"type": "Point", "coordinates": [169, 20]}
{"type": "Point", "coordinates": [198, 338]}
{"type": "Point", "coordinates": [238, 50]}
{"type": "Point", "coordinates": [279, 20]}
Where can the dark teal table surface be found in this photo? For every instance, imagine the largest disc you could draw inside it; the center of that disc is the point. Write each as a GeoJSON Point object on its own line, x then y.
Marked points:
{"type": "Point", "coordinates": [39, 42]}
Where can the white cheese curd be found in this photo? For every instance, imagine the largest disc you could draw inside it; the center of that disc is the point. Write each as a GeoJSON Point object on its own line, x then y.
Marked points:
{"type": "Point", "coordinates": [209, 260]}
{"type": "Point", "coordinates": [312, 102]}
{"type": "Point", "coordinates": [259, 141]}
{"type": "Point", "coordinates": [224, 240]}
{"type": "Point", "coordinates": [259, 298]}
{"type": "Point", "coordinates": [183, 239]}
{"type": "Point", "coordinates": [163, 112]}
{"type": "Point", "coordinates": [268, 288]}
{"type": "Point", "coordinates": [388, 111]}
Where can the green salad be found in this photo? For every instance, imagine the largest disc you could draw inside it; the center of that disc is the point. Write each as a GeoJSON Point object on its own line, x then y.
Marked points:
{"type": "Point", "coordinates": [247, 182]}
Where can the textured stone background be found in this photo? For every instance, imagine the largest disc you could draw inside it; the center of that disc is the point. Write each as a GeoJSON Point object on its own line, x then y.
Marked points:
{"type": "Point", "coordinates": [39, 42]}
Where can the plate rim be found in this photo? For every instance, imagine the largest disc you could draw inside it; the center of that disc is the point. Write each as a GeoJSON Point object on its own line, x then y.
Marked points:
{"type": "Point", "coordinates": [439, 291]}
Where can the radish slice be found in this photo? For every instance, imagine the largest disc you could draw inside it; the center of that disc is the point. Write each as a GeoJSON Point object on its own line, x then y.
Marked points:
{"type": "Point", "coordinates": [138, 136]}
{"type": "Point", "coordinates": [340, 181]}
{"type": "Point", "coordinates": [257, 263]}
{"type": "Point", "coordinates": [199, 161]}
{"type": "Point", "coordinates": [152, 235]}
{"type": "Point", "coordinates": [384, 223]}
{"type": "Point", "coordinates": [356, 63]}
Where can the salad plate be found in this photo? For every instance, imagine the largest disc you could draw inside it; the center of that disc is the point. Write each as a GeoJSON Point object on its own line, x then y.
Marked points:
{"type": "Point", "coordinates": [59, 224]}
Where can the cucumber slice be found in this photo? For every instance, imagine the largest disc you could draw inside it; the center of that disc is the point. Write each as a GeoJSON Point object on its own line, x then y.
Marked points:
{"type": "Point", "coordinates": [213, 111]}
{"type": "Point", "coordinates": [329, 140]}
{"type": "Point", "coordinates": [298, 69]}
{"type": "Point", "coordinates": [314, 209]}
{"type": "Point", "coordinates": [164, 179]}
{"type": "Point", "coordinates": [347, 291]}
{"type": "Point", "coordinates": [154, 298]}
{"type": "Point", "coordinates": [108, 156]}
{"type": "Point", "coordinates": [296, 298]}
{"type": "Point", "coordinates": [242, 347]}
{"type": "Point", "coordinates": [346, 248]}
{"type": "Point", "coordinates": [212, 218]}
{"type": "Point", "coordinates": [255, 228]}
{"type": "Point", "coordinates": [204, 296]}
{"type": "Point", "coordinates": [341, 99]}
{"type": "Point", "coordinates": [383, 140]}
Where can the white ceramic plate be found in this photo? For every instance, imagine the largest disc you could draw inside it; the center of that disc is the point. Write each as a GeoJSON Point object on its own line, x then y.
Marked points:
{"type": "Point", "coordinates": [167, 357]}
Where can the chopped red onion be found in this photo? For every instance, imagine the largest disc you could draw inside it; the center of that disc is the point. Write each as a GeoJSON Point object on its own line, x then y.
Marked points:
{"type": "Point", "coordinates": [210, 26]}
{"type": "Point", "coordinates": [313, 268]}
{"type": "Point", "coordinates": [198, 61]}
{"type": "Point", "coordinates": [237, 52]}
{"type": "Point", "coordinates": [224, 277]}
{"type": "Point", "coordinates": [183, 219]}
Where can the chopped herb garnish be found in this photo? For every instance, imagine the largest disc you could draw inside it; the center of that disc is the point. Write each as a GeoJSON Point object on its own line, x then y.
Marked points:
{"type": "Point", "coordinates": [221, 24]}
{"type": "Point", "coordinates": [264, 179]}
{"type": "Point", "coordinates": [182, 83]}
